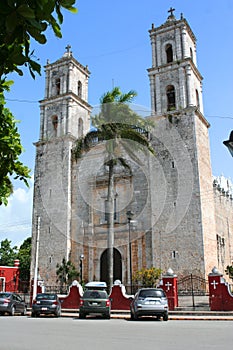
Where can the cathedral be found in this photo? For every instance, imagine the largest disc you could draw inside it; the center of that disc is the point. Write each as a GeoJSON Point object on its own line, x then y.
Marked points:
{"type": "Point", "coordinates": [180, 216]}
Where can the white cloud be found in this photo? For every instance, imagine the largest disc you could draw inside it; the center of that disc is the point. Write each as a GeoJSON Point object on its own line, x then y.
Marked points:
{"type": "Point", "coordinates": [16, 217]}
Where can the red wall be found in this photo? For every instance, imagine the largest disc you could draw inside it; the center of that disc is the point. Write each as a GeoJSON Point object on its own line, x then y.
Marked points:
{"type": "Point", "coordinates": [9, 278]}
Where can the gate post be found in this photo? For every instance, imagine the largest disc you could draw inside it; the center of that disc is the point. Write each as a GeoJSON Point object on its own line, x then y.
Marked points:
{"type": "Point", "coordinates": [169, 285]}
{"type": "Point", "coordinates": [215, 292]}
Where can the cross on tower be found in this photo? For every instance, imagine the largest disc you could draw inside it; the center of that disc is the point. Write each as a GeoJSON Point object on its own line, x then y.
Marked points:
{"type": "Point", "coordinates": [68, 47]}
{"type": "Point", "coordinates": [171, 11]}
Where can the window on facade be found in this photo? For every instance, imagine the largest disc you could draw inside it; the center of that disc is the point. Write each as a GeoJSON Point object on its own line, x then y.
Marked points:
{"type": "Point", "coordinates": [106, 214]}
{"type": "Point", "coordinates": [80, 127]}
{"type": "Point", "coordinates": [191, 53]}
{"type": "Point", "coordinates": [169, 53]}
{"type": "Point", "coordinates": [55, 123]}
{"type": "Point", "coordinates": [58, 86]}
{"type": "Point", "coordinates": [197, 99]}
{"type": "Point", "coordinates": [79, 89]}
{"type": "Point", "coordinates": [171, 98]}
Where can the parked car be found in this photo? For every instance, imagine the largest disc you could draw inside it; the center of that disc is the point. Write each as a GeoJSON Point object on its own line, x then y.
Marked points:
{"type": "Point", "coordinates": [12, 303]}
{"type": "Point", "coordinates": [95, 302]}
{"type": "Point", "coordinates": [46, 303]}
{"type": "Point", "coordinates": [149, 302]}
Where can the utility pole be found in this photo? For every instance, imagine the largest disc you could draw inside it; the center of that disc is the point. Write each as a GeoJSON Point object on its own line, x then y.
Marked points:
{"type": "Point", "coordinates": [36, 259]}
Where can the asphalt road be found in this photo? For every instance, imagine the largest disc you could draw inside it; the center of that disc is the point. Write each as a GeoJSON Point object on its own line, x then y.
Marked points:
{"type": "Point", "coordinates": [46, 333]}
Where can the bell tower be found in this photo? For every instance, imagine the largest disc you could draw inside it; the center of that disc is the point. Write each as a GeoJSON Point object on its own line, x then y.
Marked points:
{"type": "Point", "coordinates": [64, 117]}
{"type": "Point", "coordinates": [175, 82]}
{"type": "Point", "coordinates": [186, 223]}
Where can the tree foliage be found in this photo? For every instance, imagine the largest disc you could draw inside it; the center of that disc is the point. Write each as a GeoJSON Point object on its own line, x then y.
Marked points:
{"type": "Point", "coordinates": [66, 272]}
{"type": "Point", "coordinates": [21, 23]}
{"type": "Point", "coordinates": [229, 271]}
{"type": "Point", "coordinates": [147, 277]}
{"type": "Point", "coordinates": [8, 254]}
{"type": "Point", "coordinates": [24, 256]}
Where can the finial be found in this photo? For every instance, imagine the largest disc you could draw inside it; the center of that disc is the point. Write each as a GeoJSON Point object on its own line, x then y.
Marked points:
{"type": "Point", "coordinates": [68, 52]}
{"type": "Point", "coordinates": [181, 16]}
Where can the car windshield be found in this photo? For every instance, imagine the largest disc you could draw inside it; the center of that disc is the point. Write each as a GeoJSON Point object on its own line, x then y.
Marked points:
{"type": "Point", "coordinates": [153, 293]}
{"type": "Point", "coordinates": [46, 296]}
{"type": "Point", "coordinates": [94, 294]}
{"type": "Point", "coordinates": [5, 295]}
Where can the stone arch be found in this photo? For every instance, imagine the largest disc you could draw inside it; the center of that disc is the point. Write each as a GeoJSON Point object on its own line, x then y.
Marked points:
{"type": "Point", "coordinates": [117, 265]}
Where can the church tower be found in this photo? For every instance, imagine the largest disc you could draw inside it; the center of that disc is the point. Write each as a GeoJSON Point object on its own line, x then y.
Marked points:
{"type": "Point", "coordinates": [64, 116]}
{"type": "Point", "coordinates": [184, 225]}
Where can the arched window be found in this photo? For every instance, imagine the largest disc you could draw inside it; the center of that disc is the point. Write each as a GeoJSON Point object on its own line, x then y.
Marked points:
{"type": "Point", "coordinates": [80, 127]}
{"type": "Point", "coordinates": [197, 99]}
{"type": "Point", "coordinates": [171, 97]}
{"type": "Point", "coordinates": [169, 53]}
{"type": "Point", "coordinates": [58, 86]}
{"type": "Point", "coordinates": [80, 89]}
{"type": "Point", "coordinates": [55, 123]}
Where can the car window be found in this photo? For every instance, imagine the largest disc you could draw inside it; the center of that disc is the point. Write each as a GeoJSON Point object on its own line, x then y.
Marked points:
{"type": "Point", "coordinates": [94, 294]}
{"type": "Point", "coordinates": [153, 293]}
{"type": "Point", "coordinates": [46, 296]}
{"type": "Point", "coordinates": [5, 295]}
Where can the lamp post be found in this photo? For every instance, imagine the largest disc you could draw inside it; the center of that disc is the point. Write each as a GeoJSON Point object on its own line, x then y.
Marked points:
{"type": "Point", "coordinates": [130, 215]}
{"type": "Point", "coordinates": [229, 143]}
{"type": "Point", "coordinates": [81, 267]}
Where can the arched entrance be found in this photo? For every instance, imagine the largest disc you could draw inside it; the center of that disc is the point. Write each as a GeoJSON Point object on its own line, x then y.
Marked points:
{"type": "Point", "coordinates": [117, 265]}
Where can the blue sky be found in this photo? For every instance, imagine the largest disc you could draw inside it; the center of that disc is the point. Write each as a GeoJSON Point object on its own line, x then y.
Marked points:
{"type": "Point", "coordinates": [111, 37]}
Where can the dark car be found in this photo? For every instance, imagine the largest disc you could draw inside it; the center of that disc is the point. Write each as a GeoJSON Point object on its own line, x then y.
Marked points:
{"type": "Point", "coordinates": [46, 303]}
{"type": "Point", "coordinates": [12, 303]}
{"type": "Point", "coordinates": [149, 302]}
{"type": "Point", "coordinates": [95, 302]}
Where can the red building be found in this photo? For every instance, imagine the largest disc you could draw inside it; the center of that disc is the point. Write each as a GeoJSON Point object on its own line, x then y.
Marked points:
{"type": "Point", "coordinates": [9, 278]}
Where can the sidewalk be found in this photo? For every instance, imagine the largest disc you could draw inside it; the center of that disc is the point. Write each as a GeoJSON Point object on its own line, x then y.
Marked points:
{"type": "Point", "coordinates": [173, 315]}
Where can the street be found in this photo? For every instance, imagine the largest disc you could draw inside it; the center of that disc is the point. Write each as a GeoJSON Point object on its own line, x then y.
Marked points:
{"type": "Point", "coordinates": [46, 333]}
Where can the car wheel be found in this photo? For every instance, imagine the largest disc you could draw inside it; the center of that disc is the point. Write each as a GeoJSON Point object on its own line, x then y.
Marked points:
{"type": "Point", "coordinates": [107, 316]}
{"type": "Point", "coordinates": [58, 313]}
{"type": "Point", "coordinates": [24, 311]}
{"type": "Point", "coordinates": [165, 317]}
{"type": "Point", "coordinates": [82, 315]}
{"type": "Point", "coordinates": [1, 313]}
{"type": "Point", "coordinates": [12, 313]}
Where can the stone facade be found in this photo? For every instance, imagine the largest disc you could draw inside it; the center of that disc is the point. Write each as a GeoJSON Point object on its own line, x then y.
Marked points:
{"type": "Point", "coordinates": [181, 221]}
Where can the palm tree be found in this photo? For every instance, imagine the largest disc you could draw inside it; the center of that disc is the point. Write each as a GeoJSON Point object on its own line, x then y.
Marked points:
{"type": "Point", "coordinates": [121, 129]}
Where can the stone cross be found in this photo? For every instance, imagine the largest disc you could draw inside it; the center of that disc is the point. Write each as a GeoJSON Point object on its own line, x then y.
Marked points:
{"type": "Point", "coordinates": [171, 11]}
{"type": "Point", "coordinates": [168, 285]}
{"type": "Point", "coordinates": [68, 47]}
{"type": "Point", "coordinates": [214, 283]}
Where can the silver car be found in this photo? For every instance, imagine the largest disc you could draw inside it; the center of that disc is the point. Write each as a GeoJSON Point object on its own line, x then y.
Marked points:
{"type": "Point", "coordinates": [12, 303]}
{"type": "Point", "coordinates": [149, 302]}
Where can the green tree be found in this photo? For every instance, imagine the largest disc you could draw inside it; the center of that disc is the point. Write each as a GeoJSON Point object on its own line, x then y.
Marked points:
{"type": "Point", "coordinates": [229, 271]}
{"type": "Point", "coordinates": [21, 23]}
{"type": "Point", "coordinates": [66, 272]}
{"type": "Point", "coordinates": [123, 132]}
{"type": "Point", "coordinates": [24, 256]}
{"type": "Point", "coordinates": [147, 277]}
{"type": "Point", "coordinates": [7, 253]}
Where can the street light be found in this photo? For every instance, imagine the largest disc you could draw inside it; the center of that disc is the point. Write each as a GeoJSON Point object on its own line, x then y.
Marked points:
{"type": "Point", "coordinates": [130, 215]}
{"type": "Point", "coordinates": [81, 267]}
{"type": "Point", "coordinates": [229, 143]}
